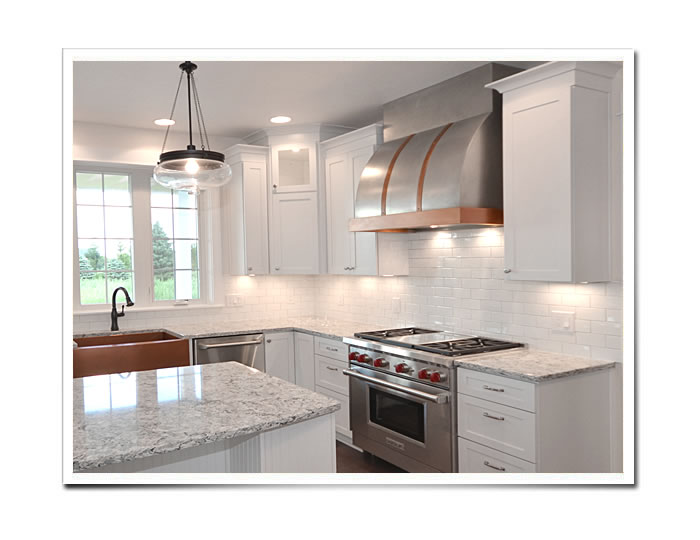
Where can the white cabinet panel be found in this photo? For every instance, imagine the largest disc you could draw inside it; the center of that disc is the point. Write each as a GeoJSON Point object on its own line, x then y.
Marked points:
{"type": "Point", "coordinates": [332, 348]}
{"type": "Point", "coordinates": [294, 234]}
{"type": "Point", "coordinates": [342, 417]}
{"type": "Point", "coordinates": [329, 374]}
{"type": "Point", "coordinates": [279, 355]}
{"type": "Point", "coordinates": [507, 429]}
{"type": "Point", "coordinates": [244, 212]}
{"type": "Point", "coordinates": [340, 201]}
{"type": "Point", "coordinates": [476, 458]}
{"type": "Point", "coordinates": [557, 172]}
{"type": "Point", "coordinates": [304, 364]}
{"type": "Point", "coordinates": [511, 392]}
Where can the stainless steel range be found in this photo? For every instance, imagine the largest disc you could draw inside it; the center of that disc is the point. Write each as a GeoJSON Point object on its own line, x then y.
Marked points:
{"type": "Point", "coordinates": [402, 394]}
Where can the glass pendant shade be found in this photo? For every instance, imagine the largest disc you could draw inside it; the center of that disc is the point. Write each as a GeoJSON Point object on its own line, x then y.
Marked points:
{"type": "Point", "coordinates": [192, 170]}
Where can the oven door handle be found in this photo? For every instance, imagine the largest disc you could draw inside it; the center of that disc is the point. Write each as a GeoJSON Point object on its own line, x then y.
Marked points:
{"type": "Point", "coordinates": [435, 398]}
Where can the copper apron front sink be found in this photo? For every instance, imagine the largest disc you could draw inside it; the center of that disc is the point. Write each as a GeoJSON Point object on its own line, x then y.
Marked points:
{"type": "Point", "coordinates": [102, 355]}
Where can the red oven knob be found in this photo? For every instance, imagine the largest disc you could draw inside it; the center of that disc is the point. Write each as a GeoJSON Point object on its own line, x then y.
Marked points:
{"type": "Point", "coordinates": [403, 368]}
{"type": "Point", "coordinates": [353, 355]}
{"type": "Point", "coordinates": [424, 374]}
{"type": "Point", "coordinates": [380, 362]}
{"type": "Point", "coordinates": [364, 358]}
{"type": "Point", "coordinates": [437, 377]}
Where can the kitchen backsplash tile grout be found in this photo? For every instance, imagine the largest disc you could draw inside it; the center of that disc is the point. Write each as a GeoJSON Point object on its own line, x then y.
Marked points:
{"type": "Point", "coordinates": [455, 283]}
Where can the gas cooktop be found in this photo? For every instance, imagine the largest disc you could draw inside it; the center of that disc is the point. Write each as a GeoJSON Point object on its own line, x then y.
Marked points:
{"type": "Point", "coordinates": [438, 342]}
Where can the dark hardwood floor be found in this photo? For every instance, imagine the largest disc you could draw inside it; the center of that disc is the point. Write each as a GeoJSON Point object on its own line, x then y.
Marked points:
{"type": "Point", "coordinates": [349, 460]}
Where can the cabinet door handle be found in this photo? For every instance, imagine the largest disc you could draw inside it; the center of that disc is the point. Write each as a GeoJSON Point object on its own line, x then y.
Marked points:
{"type": "Point", "coordinates": [331, 349]}
{"type": "Point", "coordinates": [346, 268]}
{"type": "Point", "coordinates": [269, 341]}
{"type": "Point", "coordinates": [250, 269]}
{"type": "Point", "coordinates": [332, 368]}
{"type": "Point", "coordinates": [502, 469]}
{"type": "Point", "coordinates": [277, 268]}
{"type": "Point", "coordinates": [507, 270]}
{"type": "Point", "coordinates": [487, 387]}
{"type": "Point", "coordinates": [274, 186]}
{"type": "Point", "coordinates": [487, 415]}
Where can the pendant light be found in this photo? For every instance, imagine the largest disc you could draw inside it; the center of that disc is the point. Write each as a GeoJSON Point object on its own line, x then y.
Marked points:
{"type": "Point", "coordinates": [191, 170]}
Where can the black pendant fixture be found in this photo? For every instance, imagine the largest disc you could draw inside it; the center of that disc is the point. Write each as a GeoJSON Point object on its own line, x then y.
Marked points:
{"type": "Point", "coordinates": [192, 169]}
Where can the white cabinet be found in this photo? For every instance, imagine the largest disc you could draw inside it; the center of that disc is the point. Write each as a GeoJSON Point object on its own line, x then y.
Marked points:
{"type": "Point", "coordinates": [279, 355]}
{"type": "Point", "coordinates": [294, 166]}
{"type": "Point", "coordinates": [557, 172]}
{"type": "Point", "coordinates": [362, 253]}
{"type": "Point", "coordinates": [304, 365]}
{"type": "Point", "coordinates": [330, 359]}
{"type": "Point", "coordinates": [244, 212]}
{"type": "Point", "coordinates": [294, 233]}
{"type": "Point", "coordinates": [555, 426]}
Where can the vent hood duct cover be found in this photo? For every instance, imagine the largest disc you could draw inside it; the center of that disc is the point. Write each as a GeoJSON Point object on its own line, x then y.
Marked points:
{"type": "Point", "coordinates": [447, 176]}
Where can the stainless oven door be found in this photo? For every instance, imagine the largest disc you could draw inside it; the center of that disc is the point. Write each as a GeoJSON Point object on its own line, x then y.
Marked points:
{"type": "Point", "coordinates": [400, 420]}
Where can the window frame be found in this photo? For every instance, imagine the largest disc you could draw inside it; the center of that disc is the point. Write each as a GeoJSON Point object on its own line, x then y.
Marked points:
{"type": "Point", "coordinates": [142, 257]}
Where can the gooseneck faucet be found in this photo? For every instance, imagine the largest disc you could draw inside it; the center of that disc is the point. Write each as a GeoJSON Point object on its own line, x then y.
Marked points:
{"type": "Point", "coordinates": [116, 314]}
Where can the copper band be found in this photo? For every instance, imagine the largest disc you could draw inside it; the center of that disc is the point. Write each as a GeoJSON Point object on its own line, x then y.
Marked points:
{"type": "Point", "coordinates": [391, 168]}
{"type": "Point", "coordinates": [424, 168]}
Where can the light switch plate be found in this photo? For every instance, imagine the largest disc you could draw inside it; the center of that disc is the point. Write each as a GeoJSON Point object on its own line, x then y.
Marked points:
{"type": "Point", "coordinates": [563, 320]}
{"type": "Point", "coordinates": [234, 300]}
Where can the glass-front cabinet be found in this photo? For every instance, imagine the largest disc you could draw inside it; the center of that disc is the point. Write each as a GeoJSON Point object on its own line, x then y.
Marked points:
{"type": "Point", "coordinates": [294, 167]}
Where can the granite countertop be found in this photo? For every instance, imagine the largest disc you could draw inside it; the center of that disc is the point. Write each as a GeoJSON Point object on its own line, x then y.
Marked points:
{"type": "Point", "coordinates": [333, 329]}
{"type": "Point", "coordinates": [531, 365]}
{"type": "Point", "coordinates": [127, 416]}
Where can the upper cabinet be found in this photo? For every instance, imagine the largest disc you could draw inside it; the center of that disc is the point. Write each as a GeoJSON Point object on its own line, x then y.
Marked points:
{"type": "Point", "coordinates": [244, 211]}
{"type": "Point", "coordinates": [557, 172]}
{"type": "Point", "coordinates": [294, 167]}
{"type": "Point", "coordinates": [362, 253]}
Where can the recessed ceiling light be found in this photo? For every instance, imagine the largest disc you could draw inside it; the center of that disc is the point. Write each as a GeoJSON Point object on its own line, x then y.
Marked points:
{"type": "Point", "coordinates": [164, 122]}
{"type": "Point", "coordinates": [280, 119]}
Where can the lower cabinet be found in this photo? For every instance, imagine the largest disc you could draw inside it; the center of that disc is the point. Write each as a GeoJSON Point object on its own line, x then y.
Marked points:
{"type": "Point", "coordinates": [315, 363]}
{"type": "Point", "coordinates": [476, 458]}
{"type": "Point", "coordinates": [555, 426]}
{"type": "Point", "coordinates": [279, 355]}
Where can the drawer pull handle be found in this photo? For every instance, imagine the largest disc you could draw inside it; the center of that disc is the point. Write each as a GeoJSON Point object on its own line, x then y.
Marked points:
{"type": "Point", "coordinates": [487, 415]}
{"type": "Point", "coordinates": [332, 368]}
{"type": "Point", "coordinates": [332, 349]}
{"type": "Point", "coordinates": [487, 387]}
{"type": "Point", "coordinates": [502, 469]}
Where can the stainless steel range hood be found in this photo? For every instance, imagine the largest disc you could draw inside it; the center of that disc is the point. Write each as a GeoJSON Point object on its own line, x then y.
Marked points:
{"type": "Point", "coordinates": [450, 175]}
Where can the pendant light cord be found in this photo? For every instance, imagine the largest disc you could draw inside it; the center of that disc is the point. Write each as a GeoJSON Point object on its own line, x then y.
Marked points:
{"type": "Point", "coordinates": [172, 110]}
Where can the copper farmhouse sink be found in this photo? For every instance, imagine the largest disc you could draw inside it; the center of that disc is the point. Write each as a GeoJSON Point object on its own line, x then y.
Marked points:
{"type": "Point", "coordinates": [119, 353]}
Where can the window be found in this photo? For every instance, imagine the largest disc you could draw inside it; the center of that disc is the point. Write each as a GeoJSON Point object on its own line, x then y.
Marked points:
{"type": "Point", "coordinates": [175, 244]}
{"type": "Point", "coordinates": [131, 232]}
{"type": "Point", "coordinates": [105, 235]}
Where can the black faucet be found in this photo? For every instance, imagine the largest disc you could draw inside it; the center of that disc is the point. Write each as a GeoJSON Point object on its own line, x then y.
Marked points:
{"type": "Point", "coordinates": [115, 314]}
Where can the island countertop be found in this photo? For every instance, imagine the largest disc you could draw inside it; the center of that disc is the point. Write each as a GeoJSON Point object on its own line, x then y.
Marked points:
{"type": "Point", "coordinates": [127, 416]}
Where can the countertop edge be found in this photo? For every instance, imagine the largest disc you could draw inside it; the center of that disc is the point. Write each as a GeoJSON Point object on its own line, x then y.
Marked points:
{"type": "Point", "coordinates": [255, 429]}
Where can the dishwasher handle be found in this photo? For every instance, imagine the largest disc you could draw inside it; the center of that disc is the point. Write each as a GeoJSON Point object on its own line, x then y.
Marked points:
{"type": "Point", "coordinates": [204, 346]}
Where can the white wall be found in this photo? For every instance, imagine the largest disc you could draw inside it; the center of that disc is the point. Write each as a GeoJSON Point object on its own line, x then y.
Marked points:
{"type": "Point", "coordinates": [112, 144]}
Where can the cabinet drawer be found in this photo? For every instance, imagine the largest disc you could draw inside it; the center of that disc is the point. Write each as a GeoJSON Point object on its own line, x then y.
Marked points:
{"type": "Point", "coordinates": [475, 458]}
{"type": "Point", "coordinates": [498, 389]}
{"type": "Point", "coordinates": [331, 348]}
{"type": "Point", "coordinates": [329, 374]}
{"type": "Point", "coordinates": [504, 428]}
{"type": "Point", "coordinates": [342, 416]}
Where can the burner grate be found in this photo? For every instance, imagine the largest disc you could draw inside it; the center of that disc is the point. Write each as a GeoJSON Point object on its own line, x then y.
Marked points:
{"type": "Point", "coordinates": [473, 345]}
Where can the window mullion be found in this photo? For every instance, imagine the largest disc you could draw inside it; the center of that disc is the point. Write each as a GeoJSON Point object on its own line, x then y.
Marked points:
{"type": "Point", "coordinates": [143, 275]}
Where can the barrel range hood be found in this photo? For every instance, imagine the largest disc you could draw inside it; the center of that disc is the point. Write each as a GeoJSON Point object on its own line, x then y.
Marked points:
{"type": "Point", "coordinates": [447, 176]}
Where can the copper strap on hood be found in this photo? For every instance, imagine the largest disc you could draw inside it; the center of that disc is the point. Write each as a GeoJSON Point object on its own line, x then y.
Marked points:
{"type": "Point", "coordinates": [390, 169]}
{"type": "Point", "coordinates": [424, 168]}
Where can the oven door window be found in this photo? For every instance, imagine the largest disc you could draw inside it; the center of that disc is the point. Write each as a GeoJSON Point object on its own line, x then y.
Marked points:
{"type": "Point", "coordinates": [397, 414]}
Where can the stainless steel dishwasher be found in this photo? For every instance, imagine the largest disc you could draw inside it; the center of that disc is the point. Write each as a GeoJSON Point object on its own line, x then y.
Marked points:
{"type": "Point", "coordinates": [246, 349]}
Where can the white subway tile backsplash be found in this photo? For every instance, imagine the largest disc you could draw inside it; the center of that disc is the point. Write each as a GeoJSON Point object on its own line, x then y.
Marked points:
{"type": "Point", "coordinates": [455, 283]}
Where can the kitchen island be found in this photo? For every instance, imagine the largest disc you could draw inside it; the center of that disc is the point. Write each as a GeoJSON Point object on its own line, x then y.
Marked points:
{"type": "Point", "coordinates": [213, 418]}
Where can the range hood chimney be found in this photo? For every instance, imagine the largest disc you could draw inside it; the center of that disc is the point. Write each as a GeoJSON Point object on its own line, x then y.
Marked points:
{"type": "Point", "coordinates": [441, 162]}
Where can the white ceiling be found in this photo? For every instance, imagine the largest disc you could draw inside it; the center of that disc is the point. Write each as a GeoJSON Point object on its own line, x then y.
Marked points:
{"type": "Point", "coordinates": [239, 97]}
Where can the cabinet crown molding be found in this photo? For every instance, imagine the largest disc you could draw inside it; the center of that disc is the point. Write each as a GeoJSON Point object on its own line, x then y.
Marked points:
{"type": "Point", "coordinates": [552, 69]}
